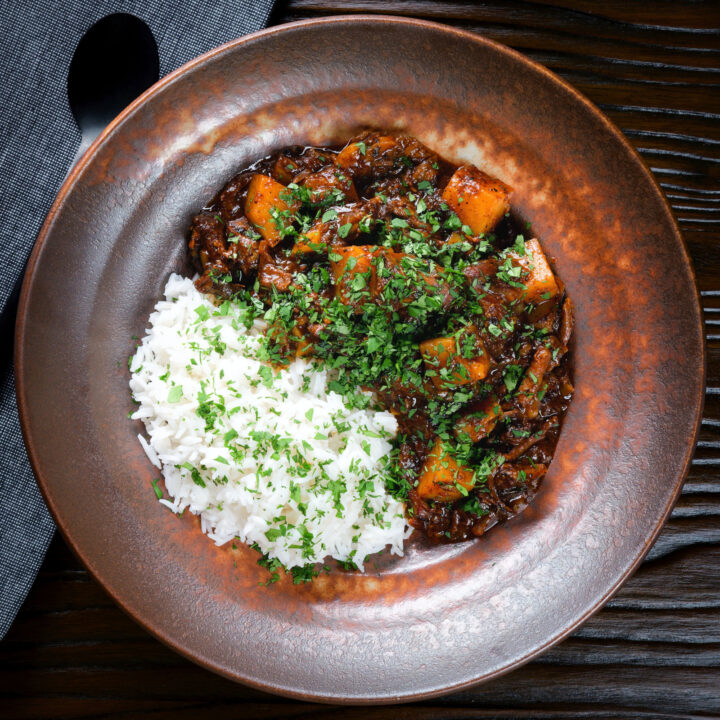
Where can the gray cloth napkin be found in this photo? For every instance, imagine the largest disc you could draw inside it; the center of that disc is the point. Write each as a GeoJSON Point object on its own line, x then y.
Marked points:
{"type": "Point", "coordinates": [38, 139]}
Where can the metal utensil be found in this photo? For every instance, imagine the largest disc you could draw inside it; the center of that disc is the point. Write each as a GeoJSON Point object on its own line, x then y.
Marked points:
{"type": "Point", "coordinates": [115, 61]}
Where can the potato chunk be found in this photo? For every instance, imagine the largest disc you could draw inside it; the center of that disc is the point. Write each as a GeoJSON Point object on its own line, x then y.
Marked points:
{"type": "Point", "coordinates": [289, 343]}
{"type": "Point", "coordinates": [405, 279]}
{"type": "Point", "coordinates": [538, 278]}
{"type": "Point", "coordinates": [478, 199]}
{"type": "Point", "coordinates": [455, 360]}
{"type": "Point", "coordinates": [354, 273]}
{"type": "Point", "coordinates": [442, 474]}
{"type": "Point", "coordinates": [311, 243]}
{"type": "Point", "coordinates": [479, 420]}
{"type": "Point", "coordinates": [394, 280]}
{"type": "Point", "coordinates": [263, 198]}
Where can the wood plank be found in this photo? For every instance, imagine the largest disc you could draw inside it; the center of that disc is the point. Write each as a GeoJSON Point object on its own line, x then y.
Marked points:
{"type": "Point", "coordinates": [682, 580]}
{"type": "Point", "coordinates": [661, 689]}
{"type": "Point", "coordinates": [654, 650]}
{"type": "Point", "coordinates": [527, 14]}
{"type": "Point", "coordinates": [65, 709]}
{"type": "Point", "coordinates": [666, 13]}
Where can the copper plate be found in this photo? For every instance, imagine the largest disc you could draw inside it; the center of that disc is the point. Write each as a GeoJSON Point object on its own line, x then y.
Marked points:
{"type": "Point", "coordinates": [441, 618]}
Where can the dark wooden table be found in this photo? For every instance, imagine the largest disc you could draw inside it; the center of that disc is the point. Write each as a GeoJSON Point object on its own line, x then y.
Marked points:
{"type": "Point", "coordinates": [654, 651]}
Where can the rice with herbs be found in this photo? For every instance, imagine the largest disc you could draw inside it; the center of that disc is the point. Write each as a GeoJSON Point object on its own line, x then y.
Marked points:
{"type": "Point", "coordinates": [271, 457]}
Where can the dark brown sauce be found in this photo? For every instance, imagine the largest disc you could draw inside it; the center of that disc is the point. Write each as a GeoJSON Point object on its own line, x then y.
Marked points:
{"type": "Point", "coordinates": [492, 348]}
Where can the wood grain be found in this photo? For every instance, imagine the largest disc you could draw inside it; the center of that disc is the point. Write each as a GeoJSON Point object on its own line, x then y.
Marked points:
{"type": "Point", "coordinates": [654, 651]}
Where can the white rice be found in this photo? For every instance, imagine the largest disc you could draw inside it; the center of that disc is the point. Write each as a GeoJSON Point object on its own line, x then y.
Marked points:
{"type": "Point", "coordinates": [284, 462]}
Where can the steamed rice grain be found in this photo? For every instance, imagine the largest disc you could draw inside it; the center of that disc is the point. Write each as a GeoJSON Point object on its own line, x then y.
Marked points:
{"type": "Point", "coordinates": [270, 457]}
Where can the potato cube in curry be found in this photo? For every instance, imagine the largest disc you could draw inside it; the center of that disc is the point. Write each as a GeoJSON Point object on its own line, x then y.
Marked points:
{"type": "Point", "coordinates": [538, 279]}
{"type": "Point", "coordinates": [362, 260]}
{"type": "Point", "coordinates": [311, 243]}
{"type": "Point", "coordinates": [479, 200]}
{"type": "Point", "coordinates": [456, 359]}
{"type": "Point", "coordinates": [354, 272]}
{"type": "Point", "coordinates": [479, 420]}
{"type": "Point", "coordinates": [267, 197]}
{"type": "Point", "coordinates": [404, 278]}
{"type": "Point", "coordinates": [442, 476]}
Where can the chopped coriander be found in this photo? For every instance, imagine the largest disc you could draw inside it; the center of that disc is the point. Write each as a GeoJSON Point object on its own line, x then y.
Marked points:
{"type": "Point", "coordinates": [410, 270]}
{"type": "Point", "coordinates": [511, 376]}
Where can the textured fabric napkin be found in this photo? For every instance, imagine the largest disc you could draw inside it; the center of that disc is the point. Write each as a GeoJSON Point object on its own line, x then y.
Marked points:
{"type": "Point", "coordinates": [38, 139]}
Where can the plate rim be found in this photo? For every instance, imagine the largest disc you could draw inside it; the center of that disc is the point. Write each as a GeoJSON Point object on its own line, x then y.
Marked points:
{"type": "Point", "coordinates": [69, 183]}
